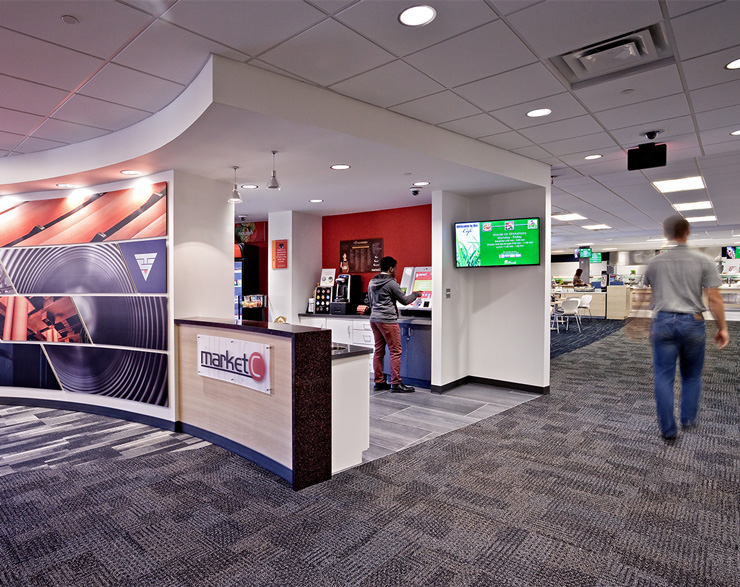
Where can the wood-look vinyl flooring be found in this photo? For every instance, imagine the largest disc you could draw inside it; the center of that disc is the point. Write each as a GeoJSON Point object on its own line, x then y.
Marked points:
{"type": "Point", "coordinates": [401, 420]}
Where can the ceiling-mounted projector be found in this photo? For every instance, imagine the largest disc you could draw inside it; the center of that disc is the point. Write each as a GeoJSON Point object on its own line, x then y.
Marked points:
{"type": "Point", "coordinates": [647, 155]}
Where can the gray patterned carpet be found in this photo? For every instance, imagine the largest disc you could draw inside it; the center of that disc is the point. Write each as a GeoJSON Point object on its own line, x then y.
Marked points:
{"type": "Point", "coordinates": [572, 489]}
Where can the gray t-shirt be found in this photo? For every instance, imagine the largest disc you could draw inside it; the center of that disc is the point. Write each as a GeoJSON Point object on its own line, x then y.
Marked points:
{"type": "Point", "coordinates": [678, 278]}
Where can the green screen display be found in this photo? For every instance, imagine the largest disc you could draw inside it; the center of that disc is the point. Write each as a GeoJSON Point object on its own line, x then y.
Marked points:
{"type": "Point", "coordinates": [497, 243]}
{"type": "Point", "coordinates": [595, 257]}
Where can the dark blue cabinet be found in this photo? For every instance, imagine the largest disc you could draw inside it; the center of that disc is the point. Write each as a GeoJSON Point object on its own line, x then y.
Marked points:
{"type": "Point", "coordinates": [416, 360]}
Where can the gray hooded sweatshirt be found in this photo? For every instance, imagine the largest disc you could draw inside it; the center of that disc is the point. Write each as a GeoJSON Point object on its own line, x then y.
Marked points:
{"type": "Point", "coordinates": [383, 291]}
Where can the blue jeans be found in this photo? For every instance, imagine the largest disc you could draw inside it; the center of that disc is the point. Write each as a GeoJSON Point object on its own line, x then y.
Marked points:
{"type": "Point", "coordinates": [683, 337]}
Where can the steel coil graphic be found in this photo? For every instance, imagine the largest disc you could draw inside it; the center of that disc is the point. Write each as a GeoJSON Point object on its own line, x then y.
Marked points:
{"type": "Point", "coordinates": [132, 321]}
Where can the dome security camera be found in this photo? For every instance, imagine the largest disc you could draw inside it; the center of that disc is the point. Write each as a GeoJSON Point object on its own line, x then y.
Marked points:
{"type": "Point", "coordinates": [415, 190]}
{"type": "Point", "coordinates": [242, 218]}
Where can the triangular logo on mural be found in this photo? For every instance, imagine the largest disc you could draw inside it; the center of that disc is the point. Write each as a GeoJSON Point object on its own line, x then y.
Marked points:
{"type": "Point", "coordinates": [146, 262]}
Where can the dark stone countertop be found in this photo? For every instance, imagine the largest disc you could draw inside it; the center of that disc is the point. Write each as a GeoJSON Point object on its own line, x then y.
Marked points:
{"type": "Point", "coordinates": [287, 330]}
{"type": "Point", "coordinates": [421, 320]}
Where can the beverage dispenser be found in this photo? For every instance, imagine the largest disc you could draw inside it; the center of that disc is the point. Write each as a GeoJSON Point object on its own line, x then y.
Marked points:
{"type": "Point", "coordinates": [347, 294]}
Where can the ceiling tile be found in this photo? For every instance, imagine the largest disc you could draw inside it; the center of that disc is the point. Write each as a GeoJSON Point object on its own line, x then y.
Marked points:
{"type": "Point", "coordinates": [508, 140]}
{"type": "Point", "coordinates": [679, 7]}
{"type": "Point", "coordinates": [513, 87]}
{"type": "Point", "coordinates": [533, 152]}
{"type": "Point", "coordinates": [122, 85]}
{"type": "Point", "coordinates": [155, 7]}
{"type": "Point", "coordinates": [332, 6]}
{"type": "Point", "coordinates": [18, 122]}
{"type": "Point", "coordinates": [19, 94]}
{"type": "Point", "coordinates": [314, 56]}
{"type": "Point", "coordinates": [559, 26]}
{"type": "Point", "coordinates": [379, 21]}
{"type": "Point", "coordinates": [644, 112]}
{"type": "Point", "coordinates": [605, 165]}
{"type": "Point", "coordinates": [714, 148]}
{"type": "Point", "coordinates": [562, 129]}
{"type": "Point", "coordinates": [185, 56]}
{"type": "Point", "coordinates": [33, 145]}
{"type": "Point", "coordinates": [510, 6]}
{"type": "Point", "coordinates": [485, 51]}
{"type": "Point", "coordinates": [98, 113]}
{"type": "Point", "coordinates": [243, 25]}
{"type": "Point", "coordinates": [388, 85]}
{"type": "Point", "coordinates": [634, 135]}
{"type": "Point", "coordinates": [722, 117]}
{"type": "Point", "coordinates": [103, 27]}
{"type": "Point", "coordinates": [477, 126]}
{"type": "Point", "coordinates": [591, 143]}
{"type": "Point", "coordinates": [438, 108]}
{"type": "Point", "coordinates": [38, 61]}
{"type": "Point", "coordinates": [8, 141]}
{"type": "Point", "coordinates": [58, 130]}
{"type": "Point", "coordinates": [717, 96]}
{"type": "Point", "coordinates": [562, 105]}
{"type": "Point", "coordinates": [711, 21]}
{"type": "Point", "coordinates": [608, 154]}
{"type": "Point", "coordinates": [709, 70]}
{"type": "Point", "coordinates": [646, 85]}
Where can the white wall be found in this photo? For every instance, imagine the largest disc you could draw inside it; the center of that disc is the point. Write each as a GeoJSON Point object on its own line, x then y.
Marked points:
{"type": "Point", "coordinates": [289, 289]}
{"type": "Point", "coordinates": [496, 324]}
{"type": "Point", "coordinates": [202, 238]}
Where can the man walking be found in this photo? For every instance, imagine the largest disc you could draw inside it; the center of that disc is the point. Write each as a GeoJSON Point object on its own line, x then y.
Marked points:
{"type": "Point", "coordinates": [383, 291]}
{"type": "Point", "coordinates": [678, 278]}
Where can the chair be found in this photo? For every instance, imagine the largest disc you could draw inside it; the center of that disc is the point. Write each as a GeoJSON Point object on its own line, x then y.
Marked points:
{"type": "Point", "coordinates": [568, 309]}
{"type": "Point", "coordinates": [586, 304]}
{"type": "Point", "coordinates": [554, 319]}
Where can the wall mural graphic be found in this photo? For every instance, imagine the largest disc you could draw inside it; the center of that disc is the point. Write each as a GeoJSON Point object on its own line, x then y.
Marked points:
{"type": "Point", "coordinates": [138, 212]}
{"type": "Point", "coordinates": [132, 321]}
{"type": "Point", "coordinates": [125, 374]}
{"type": "Point", "coordinates": [40, 318]}
{"type": "Point", "coordinates": [25, 365]}
{"type": "Point", "coordinates": [86, 293]}
{"type": "Point", "coordinates": [66, 270]}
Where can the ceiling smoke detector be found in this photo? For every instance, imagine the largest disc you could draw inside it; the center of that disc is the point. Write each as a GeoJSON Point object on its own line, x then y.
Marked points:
{"type": "Point", "coordinates": [616, 57]}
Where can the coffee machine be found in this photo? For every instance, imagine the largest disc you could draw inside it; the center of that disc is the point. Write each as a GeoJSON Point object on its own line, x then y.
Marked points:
{"type": "Point", "coordinates": [347, 294]}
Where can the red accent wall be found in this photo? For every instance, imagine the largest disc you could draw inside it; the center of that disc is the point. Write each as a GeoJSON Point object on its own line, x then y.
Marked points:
{"type": "Point", "coordinates": [406, 234]}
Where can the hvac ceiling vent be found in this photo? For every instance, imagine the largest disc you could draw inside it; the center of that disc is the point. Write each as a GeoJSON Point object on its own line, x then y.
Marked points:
{"type": "Point", "coordinates": [637, 51]}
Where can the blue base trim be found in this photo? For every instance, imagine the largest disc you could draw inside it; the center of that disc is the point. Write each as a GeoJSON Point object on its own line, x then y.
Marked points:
{"type": "Point", "coordinates": [239, 449]}
{"type": "Point", "coordinates": [90, 409]}
{"type": "Point", "coordinates": [493, 383]}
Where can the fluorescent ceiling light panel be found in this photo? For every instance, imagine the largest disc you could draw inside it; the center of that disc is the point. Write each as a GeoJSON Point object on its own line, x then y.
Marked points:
{"type": "Point", "coordinates": [568, 217]}
{"type": "Point", "coordinates": [596, 227]}
{"type": "Point", "coordinates": [693, 206]}
{"type": "Point", "coordinates": [702, 219]}
{"type": "Point", "coordinates": [680, 185]}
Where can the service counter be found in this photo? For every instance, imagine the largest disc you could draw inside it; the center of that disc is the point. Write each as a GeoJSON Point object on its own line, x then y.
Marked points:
{"type": "Point", "coordinates": [614, 304]}
{"type": "Point", "coordinates": [280, 395]}
{"type": "Point", "coordinates": [730, 296]}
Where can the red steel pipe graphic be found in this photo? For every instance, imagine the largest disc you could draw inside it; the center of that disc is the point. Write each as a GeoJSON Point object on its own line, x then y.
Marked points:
{"type": "Point", "coordinates": [20, 319]}
{"type": "Point", "coordinates": [8, 318]}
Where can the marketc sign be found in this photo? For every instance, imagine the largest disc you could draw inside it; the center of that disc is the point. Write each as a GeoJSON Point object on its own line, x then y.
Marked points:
{"type": "Point", "coordinates": [236, 361]}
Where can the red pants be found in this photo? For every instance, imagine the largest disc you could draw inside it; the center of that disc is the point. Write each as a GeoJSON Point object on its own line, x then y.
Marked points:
{"type": "Point", "coordinates": [387, 334]}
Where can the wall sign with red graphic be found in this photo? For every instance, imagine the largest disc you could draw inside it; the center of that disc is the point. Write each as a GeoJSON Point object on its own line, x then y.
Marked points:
{"type": "Point", "coordinates": [237, 361]}
{"type": "Point", "coordinates": [280, 254]}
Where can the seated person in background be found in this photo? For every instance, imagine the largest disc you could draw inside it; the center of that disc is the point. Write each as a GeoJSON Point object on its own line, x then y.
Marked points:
{"type": "Point", "coordinates": [577, 281]}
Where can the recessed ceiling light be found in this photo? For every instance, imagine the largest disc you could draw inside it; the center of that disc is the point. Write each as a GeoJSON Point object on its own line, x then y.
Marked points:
{"type": "Point", "coordinates": [596, 226]}
{"type": "Point", "coordinates": [733, 64]}
{"type": "Point", "coordinates": [735, 133]}
{"type": "Point", "coordinates": [421, 184]}
{"type": "Point", "coordinates": [539, 112]}
{"type": "Point", "coordinates": [568, 217]}
{"type": "Point", "coordinates": [66, 186]}
{"type": "Point", "coordinates": [340, 167]}
{"type": "Point", "coordinates": [69, 19]}
{"type": "Point", "coordinates": [590, 157]}
{"type": "Point", "coordinates": [316, 201]}
{"type": "Point", "coordinates": [249, 186]}
{"type": "Point", "coordinates": [680, 185]}
{"type": "Point", "coordinates": [417, 16]}
{"type": "Point", "coordinates": [702, 218]}
{"type": "Point", "coordinates": [130, 172]}
{"type": "Point", "coordinates": [693, 206]}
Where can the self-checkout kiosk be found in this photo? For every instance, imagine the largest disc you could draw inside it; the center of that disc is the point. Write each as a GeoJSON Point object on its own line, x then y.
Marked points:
{"type": "Point", "coordinates": [417, 279]}
{"type": "Point", "coordinates": [347, 294]}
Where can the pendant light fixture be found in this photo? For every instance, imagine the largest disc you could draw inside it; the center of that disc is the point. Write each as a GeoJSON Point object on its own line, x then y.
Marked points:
{"type": "Point", "coordinates": [235, 197]}
{"type": "Point", "coordinates": [273, 184]}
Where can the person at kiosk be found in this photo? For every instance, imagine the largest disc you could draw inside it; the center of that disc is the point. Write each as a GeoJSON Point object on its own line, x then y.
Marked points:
{"type": "Point", "coordinates": [383, 292]}
{"type": "Point", "coordinates": [577, 279]}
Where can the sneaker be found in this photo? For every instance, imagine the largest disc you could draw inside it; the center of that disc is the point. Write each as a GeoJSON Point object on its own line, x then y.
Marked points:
{"type": "Point", "coordinates": [382, 386]}
{"type": "Point", "coordinates": [401, 388]}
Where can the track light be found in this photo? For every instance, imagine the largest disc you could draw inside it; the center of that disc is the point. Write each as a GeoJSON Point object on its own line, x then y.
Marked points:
{"type": "Point", "coordinates": [273, 184]}
{"type": "Point", "coordinates": [235, 197]}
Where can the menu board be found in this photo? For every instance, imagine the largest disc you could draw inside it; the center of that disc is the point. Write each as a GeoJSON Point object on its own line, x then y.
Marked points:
{"type": "Point", "coordinates": [361, 256]}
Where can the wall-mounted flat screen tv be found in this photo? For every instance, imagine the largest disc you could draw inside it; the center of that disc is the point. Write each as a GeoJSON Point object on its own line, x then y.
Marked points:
{"type": "Point", "coordinates": [595, 257]}
{"type": "Point", "coordinates": [497, 243]}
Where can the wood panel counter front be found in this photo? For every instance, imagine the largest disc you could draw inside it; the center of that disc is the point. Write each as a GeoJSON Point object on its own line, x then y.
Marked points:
{"type": "Point", "coordinates": [287, 431]}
